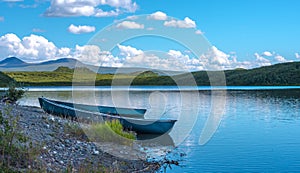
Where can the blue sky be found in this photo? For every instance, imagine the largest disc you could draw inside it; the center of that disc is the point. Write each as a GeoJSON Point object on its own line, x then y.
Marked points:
{"type": "Point", "coordinates": [248, 30]}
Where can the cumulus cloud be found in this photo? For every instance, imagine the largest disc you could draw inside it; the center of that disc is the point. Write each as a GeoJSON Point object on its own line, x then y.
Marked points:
{"type": "Point", "coordinates": [64, 52]}
{"type": "Point", "coordinates": [101, 13]}
{"type": "Point", "coordinates": [92, 54]}
{"type": "Point", "coordinates": [66, 8]}
{"type": "Point", "coordinates": [129, 51]}
{"type": "Point", "coordinates": [280, 59]}
{"type": "Point", "coordinates": [158, 16]}
{"type": "Point", "coordinates": [172, 60]}
{"type": "Point", "coordinates": [267, 53]}
{"type": "Point", "coordinates": [36, 48]}
{"type": "Point", "coordinates": [261, 61]}
{"type": "Point", "coordinates": [31, 47]}
{"type": "Point", "coordinates": [81, 29]}
{"type": "Point", "coordinates": [130, 25]}
{"type": "Point", "coordinates": [214, 59]}
{"type": "Point", "coordinates": [186, 23]}
{"type": "Point", "coordinates": [297, 55]}
{"type": "Point", "coordinates": [1, 18]}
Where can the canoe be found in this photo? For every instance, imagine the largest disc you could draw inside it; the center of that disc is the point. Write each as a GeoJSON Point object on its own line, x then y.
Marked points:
{"type": "Point", "coordinates": [140, 126]}
{"type": "Point", "coordinates": [124, 112]}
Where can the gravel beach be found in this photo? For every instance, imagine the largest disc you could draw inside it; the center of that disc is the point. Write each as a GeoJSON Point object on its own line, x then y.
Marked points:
{"type": "Point", "coordinates": [61, 151]}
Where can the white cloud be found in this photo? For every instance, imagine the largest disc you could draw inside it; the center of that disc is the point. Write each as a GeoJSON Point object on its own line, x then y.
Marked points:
{"type": "Point", "coordinates": [172, 60]}
{"type": "Point", "coordinates": [64, 52]}
{"type": "Point", "coordinates": [36, 48]}
{"type": "Point", "coordinates": [280, 59]}
{"type": "Point", "coordinates": [129, 51]}
{"type": "Point", "coordinates": [214, 59]}
{"type": "Point", "coordinates": [267, 53]}
{"type": "Point", "coordinates": [130, 25]}
{"type": "Point", "coordinates": [297, 55]}
{"type": "Point", "coordinates": [81, 29]}
{"type": "Point", "coordinates": [92, 54]}
{"type": "Point", "coordinates": [65, 8]}
{"type": "Point", "coordinates": [1, 18]}
{"type": "Point", "coordinates": [186, 23]}
{"type": "Point", "coordinates": [101, 13]}
{"type": "Point", "coordinates": [261, 61]}
{"type": "Point", "coordinates": [198, 32]}
{"type": "Point", "coordinates": [158, 16]}
{"type": "Point", "coordinates": [31, 47]}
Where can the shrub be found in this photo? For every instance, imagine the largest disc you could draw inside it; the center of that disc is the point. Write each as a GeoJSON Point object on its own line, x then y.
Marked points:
{"type": "Point", "coordinates": [13, 94]}
{"type": "Point", "coordinates": [16, 151]}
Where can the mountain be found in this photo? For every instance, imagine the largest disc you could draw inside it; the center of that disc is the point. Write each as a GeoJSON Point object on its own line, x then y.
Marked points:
{"type": "Point", "coordinates": [15, 64]}
{"type": "Point", "coordinates": [60, 61]}
{"type": "Point", "coordinates": [12, 62]}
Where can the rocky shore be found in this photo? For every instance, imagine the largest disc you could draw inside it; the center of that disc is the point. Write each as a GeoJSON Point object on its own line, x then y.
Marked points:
{"type": "Point", "coordinates": [60, 151]}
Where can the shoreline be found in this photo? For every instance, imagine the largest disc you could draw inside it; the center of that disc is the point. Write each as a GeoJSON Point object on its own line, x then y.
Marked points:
{"type": "Point", "coordinates": [61, 151]}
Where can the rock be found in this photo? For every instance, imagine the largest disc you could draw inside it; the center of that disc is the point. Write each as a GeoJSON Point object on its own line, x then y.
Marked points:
{"type": "Point", "coordinates": [95, 152]}
{"type": "Point", "coordinates": [59, 151]}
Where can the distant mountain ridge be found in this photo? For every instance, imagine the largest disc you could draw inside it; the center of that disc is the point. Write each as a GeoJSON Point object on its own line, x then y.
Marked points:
{"type": "Point", "coordinates": [13, 64]}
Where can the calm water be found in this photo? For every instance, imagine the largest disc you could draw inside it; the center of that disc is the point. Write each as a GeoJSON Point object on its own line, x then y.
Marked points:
{"type": "Point", "coordinates": [259, 131]}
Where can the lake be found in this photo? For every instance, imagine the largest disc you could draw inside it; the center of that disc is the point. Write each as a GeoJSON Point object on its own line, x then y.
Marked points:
{"type": "Point", "coordinates": [259, 129]}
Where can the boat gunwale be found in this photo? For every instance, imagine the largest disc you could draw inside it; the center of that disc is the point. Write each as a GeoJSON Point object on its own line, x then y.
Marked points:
{"type": "Point", "coordinates": [142, 109]}
{"type": "Point", "coordinates": [107, 115]}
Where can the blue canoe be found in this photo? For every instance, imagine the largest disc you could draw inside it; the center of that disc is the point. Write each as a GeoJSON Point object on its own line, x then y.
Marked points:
{"type": "Point", "coordinates": [124, 112]}
{"type": "Point", "coordinates": [140, 126]}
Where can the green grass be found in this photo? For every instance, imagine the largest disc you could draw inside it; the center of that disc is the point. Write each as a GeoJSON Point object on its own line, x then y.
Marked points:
{"type": "Point", "coordinates": [109, 131]}
{"type": "Point", "coordinates": [63, 78]}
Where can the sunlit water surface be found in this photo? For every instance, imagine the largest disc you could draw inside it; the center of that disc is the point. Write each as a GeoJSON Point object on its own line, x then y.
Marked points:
{"type": "Point", "coordinates": [259, 131]}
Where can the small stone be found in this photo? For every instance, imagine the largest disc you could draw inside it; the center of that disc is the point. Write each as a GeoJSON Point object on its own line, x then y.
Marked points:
{"type": "Point", "coordinates": [95, 152]}
{"type": "Point", "coordinates": [115, 163]}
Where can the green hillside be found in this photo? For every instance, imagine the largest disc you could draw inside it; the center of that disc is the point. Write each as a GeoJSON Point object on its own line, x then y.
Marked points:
{"type": "Point", "coordinates": [279, 74]}
{"type": "Point", "coordinates": [275, 75]}
{"type": "Point", "coordinates": [5, 79]}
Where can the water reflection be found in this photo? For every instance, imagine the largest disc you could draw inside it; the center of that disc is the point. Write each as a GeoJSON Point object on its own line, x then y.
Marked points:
{"type": "Point", "coordinates": [259, 132]}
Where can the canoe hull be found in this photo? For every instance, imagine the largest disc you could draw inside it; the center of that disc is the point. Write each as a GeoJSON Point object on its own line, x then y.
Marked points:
{"type": "Point", "coordinates": [124, 112]}
{"type": "Point", "coordinates": [140, 126]}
